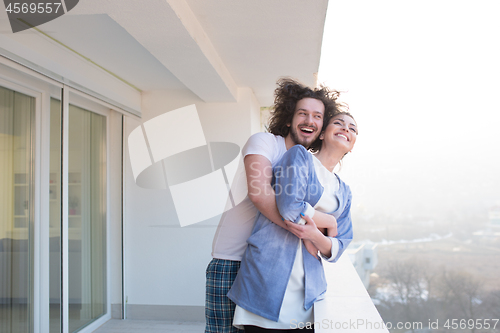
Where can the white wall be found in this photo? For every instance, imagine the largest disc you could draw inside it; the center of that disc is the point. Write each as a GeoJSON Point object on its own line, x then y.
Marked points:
{"type": "Point", "coordinates": [165, 264]}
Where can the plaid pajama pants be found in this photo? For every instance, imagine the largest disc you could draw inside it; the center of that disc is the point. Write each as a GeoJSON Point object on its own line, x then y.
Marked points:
{"type": "Point", "coordinates": [219, 310]}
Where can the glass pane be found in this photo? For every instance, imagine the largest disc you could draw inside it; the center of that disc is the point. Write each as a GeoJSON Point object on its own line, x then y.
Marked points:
{"type": "Point", "coordinates": [55, 216]}
{"type": "Point", "coordinates": [87, 217]}
{"type": "Point", "coordinates": [17, 121]}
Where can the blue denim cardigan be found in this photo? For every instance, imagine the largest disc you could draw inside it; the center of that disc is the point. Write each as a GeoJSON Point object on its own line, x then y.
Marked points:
{"type": "Point", "coordinates": [267, 263]}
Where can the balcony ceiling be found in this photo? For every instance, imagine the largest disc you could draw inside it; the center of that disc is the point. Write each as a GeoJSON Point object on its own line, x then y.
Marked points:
{"type": "Point", "coordinates": [210, 47]}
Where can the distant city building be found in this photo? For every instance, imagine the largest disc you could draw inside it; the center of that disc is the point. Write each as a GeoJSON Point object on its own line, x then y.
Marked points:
{"type": "Point", "coordinates": [364, 259]}
{"type": "Point", "coordinates": [494, 216]}
{"type": "Point", "coordinates": [491, 232]}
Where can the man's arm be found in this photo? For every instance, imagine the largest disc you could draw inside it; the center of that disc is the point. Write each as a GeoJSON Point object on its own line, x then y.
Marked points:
{"type": "Point", "coordinates": [324, 220]}
{"type": "Point", "coordinates": [259, 173]}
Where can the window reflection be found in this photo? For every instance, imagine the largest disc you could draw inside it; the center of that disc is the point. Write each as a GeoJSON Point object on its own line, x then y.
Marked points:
{"type": "Point", "coordinates": [86, 217]}
{"type": "Point", "coordinates": [17, 129]}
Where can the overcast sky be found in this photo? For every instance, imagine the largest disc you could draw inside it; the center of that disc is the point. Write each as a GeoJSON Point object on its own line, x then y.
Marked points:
{"type": "Point", "coordinates": [422, 79]}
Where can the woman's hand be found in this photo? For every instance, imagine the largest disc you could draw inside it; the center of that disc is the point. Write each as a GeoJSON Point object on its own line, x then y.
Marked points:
{"type": "Point", "coordinates": [304, 232]}
{"type": "Point", "coordinates": [310, 232]}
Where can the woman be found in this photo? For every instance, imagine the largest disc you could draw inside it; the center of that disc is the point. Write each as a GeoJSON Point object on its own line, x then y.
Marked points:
{"type": "Point", "coordinates": [279, 280]}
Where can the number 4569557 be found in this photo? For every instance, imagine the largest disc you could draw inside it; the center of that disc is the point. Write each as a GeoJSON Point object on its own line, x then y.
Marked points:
{"type": "Point", "coordinates": [478, 324]}
{"type": "Point", "coordinates": [40, 8]}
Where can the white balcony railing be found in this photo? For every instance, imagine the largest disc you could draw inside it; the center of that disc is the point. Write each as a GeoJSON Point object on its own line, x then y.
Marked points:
{"type": "Point", "coordinates": [347, 307]}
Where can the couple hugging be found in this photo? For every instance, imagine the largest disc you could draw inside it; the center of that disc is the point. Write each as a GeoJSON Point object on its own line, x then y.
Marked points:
{"type": "Point", "coordinates": [266, 270]}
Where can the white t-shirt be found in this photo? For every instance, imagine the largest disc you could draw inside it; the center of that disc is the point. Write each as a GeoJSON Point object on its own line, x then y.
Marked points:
{"type": "Point", "coordinates": [236, 224]}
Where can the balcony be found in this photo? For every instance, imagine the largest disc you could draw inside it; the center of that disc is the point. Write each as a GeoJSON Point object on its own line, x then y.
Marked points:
{"type": "Point", "coordinates": [347, 307]}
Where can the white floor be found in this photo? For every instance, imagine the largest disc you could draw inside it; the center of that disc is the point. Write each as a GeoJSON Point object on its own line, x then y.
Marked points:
{"type": "Point", "coordinates": [150, 326]}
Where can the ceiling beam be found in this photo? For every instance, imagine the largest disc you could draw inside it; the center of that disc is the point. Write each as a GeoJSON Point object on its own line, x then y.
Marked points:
{"type": "Point", "coordinates": [198, 35]}
{"type": "Point", "coordinates": [170, 31]}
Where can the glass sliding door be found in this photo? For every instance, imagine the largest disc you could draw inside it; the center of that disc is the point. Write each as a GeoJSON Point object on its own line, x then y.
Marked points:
{"type": "Point", "coordinates": [86, 217]}
{"type": "Point", "coordinates": [53, 207]}
{"type": "Point", "coordinates": [17, 132]}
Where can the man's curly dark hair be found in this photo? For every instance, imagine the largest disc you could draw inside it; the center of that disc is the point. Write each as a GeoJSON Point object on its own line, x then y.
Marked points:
{"type": "Point", "coordinates": [286, 96]}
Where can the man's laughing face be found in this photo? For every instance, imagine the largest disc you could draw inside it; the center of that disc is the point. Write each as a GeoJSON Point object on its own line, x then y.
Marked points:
{"type": "Point", "coordinates": [307, 121]}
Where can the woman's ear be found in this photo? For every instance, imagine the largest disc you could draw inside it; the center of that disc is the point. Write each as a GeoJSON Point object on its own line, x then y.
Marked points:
{"type": "Point", "coordinates": [322, 136]}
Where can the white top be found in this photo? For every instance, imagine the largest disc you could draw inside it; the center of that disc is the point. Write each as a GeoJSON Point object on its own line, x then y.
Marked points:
{"type": "Point", "coordinates": [236, 224]}
{"type": "Point", "coordinates": [328, 201]}
{"type": "Point", "coordinates": [292, 309]}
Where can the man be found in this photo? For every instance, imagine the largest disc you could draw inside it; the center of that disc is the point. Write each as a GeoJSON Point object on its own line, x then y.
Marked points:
{"type": "Point", "coordinates": [298, 116]}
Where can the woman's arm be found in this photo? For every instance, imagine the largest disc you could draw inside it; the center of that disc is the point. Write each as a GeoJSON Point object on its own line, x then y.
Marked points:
{"type": "Point", "coordinates": [259, 174]}
{"type": "Point", "coordinates": [292, 189]}
{"type": "Point", "coordinates": [310, 232]}
{"type": "Point", "coordinates": [291, 184]}
{"type": "Point", "coordinates": [344, 227]}
{"type": "Point", "coordinates": [293, 203]}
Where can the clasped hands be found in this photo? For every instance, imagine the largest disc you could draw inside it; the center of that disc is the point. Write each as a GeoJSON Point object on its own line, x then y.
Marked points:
{"type": "Point", "coordinates": [310, 233]}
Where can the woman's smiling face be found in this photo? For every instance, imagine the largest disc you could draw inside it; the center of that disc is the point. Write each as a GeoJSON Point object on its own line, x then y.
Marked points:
{"type": "Point", "coordinates": [342, 131]}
